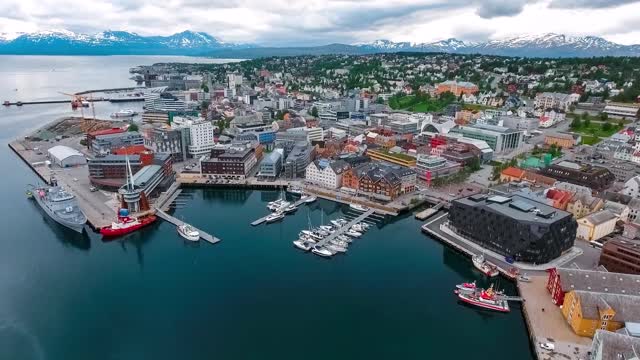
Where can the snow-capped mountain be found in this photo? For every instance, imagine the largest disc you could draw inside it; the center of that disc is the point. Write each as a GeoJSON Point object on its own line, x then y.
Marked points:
{"type": "Point", "coordinates": [551, 45]}
{"type": "Point", "coordinates": [65, 42]}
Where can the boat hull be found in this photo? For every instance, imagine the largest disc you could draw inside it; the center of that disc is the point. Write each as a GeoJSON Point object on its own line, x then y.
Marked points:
{"type": "Point", "coordinates": [481, 304]}
{"type": "Point", "coordinates": [110, 232]}
{"type": "Point", "coordinates": [75, 226]}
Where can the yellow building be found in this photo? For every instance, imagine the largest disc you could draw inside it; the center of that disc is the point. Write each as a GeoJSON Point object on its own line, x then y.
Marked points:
{"type": "Point", "coordinates": [394, 158]}
{"type": "Point", "coordinates": [587, 311]}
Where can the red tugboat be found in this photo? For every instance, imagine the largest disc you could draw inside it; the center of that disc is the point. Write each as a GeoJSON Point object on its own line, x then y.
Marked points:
{"type": "Point", "coordinates": [126, 224]}
{"type": "Point", "coordinates": [487, 299]}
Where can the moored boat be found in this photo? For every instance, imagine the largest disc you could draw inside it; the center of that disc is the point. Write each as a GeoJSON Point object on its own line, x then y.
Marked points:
{"type": "Point", "coordinates": [469, 287]}
{"type": "Point", "coordinates": [321, 251]}
{"type": "Point", "coordinates": [484, 266]}
{"type": "Point", "coordinates": [358, 207]}
{"type": "Point", "coordinates": [302, 245]}
{"type": "Point", "coordinates": [126, 224]}
{"type": "Point", "coordinates": [308, 198]}
{"type": "Point", "coordinates": [188, 232]}
{"type": "Point", "coordinates": [486, 299]}
{"type": "Point", "coordinates": [60, 206]}
{"type": "Point", "coordinates": [276, 216]}
{"type": "Point", "coordinates": [124, 113]}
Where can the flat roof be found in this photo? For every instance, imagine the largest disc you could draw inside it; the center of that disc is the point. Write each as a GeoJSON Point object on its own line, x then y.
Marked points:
{"type": "Point", "coordinates": [525, 209]}
{"type": "Point", "coordinates": [145, 174]}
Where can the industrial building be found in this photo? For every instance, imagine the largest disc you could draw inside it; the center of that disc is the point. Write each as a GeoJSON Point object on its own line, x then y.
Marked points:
{"type": "Point", "coordinates": [65, 156]}
{"type": "Point", "coordinates": [514, 226]}
{"type": "Point", "coordinates": [499, 138]}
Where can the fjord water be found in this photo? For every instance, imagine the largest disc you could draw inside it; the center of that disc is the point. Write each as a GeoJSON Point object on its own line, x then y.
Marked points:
{"type": "Point", "coordinates": [152, 296]}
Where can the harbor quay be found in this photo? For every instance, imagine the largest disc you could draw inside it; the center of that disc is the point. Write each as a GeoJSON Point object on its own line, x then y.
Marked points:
{"type": "Point", "coordinates": [544, 320]}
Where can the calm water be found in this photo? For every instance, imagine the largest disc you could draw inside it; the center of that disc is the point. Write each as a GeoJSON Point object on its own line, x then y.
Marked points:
{"type": "Point", "coordinates": [150, 295]}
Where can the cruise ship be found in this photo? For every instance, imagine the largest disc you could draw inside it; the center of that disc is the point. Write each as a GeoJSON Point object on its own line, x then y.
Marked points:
{"type": "Point", "coordinates": [60, 205]}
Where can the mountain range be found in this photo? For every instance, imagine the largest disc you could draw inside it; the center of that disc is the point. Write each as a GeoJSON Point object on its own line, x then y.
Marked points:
{"type": "Point", "coordinates": [63, 42]}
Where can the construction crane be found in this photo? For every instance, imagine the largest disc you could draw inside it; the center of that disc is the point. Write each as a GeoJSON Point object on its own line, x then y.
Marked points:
{"type": "Point", "coordinates": [78, 101]}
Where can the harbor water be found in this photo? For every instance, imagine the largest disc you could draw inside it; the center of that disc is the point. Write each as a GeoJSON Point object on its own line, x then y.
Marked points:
{"type": "Point", "coordinates": [151, 295]}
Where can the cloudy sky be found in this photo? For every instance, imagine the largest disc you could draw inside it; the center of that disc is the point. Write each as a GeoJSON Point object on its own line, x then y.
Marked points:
{"type": "Point", "coordinates": [312, 22]}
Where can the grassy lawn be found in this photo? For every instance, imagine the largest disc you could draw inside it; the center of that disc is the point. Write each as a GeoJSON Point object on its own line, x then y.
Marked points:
{"type": "Point", "coordinates": [410, 103]}
{"type": "Point", "coordinates": [590, 140]}
{"type": "Point", "coordinates": [596, 130]}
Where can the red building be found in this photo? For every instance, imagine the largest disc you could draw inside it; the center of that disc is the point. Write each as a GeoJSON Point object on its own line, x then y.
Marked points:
{"type": "Point", "coordinates": [555, 287]}
{"type": "Point", "coordinates": [92, 135]}
{"type": "Point", "coordinates": [564, 280]}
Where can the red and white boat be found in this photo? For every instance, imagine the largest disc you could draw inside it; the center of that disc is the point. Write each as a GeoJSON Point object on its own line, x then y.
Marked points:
{"type": "Point", "coordinates": [484, 266]}
{"type": "Point", "coordinates": [487, 299]}
{"type": "Point", "coordinates": [126, 224]}
{"type": "Point", "coordinates": [468, 287]}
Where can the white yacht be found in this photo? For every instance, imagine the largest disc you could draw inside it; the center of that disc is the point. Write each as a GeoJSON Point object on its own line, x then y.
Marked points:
{"type": "Point", "coordinates": [309, 198]}
{"type": "Point", "coordinates": [344, 244]}
{"type": "Point", "coordinates": [321, 251]}
{"type": "Point", "coordinates": [296, 190]}
{"type": "Point", "coordinates": [124, 113]}
{"type": "Point", "coordinates": [290, 209]}
{"type": "Point", "coordinates": [336, 248]}
{"type": "Point", "coordinates": [276, 216]}
{"type": "Point", "coordinates": [311, 234]}
{"type": "Point", "coordinates": [327, 228]}
{"type": "Point", "coordinates": [344, 238]}
{"type": "Point", "coordinates": [353, 233]}
{"type": "Point", "coordinates": [188, 232]}
{"type": "Point", "coordinates": [358, 207]}
{"type": "Point", "coordinates": [302, 245]}
{"type": "Point", "coordinates": [338, 222]}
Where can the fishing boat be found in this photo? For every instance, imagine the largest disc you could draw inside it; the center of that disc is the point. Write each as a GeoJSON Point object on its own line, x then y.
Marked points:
{"type": "Point", "coordinates": [276, 216]}
{"type": "Point", "coordinates": [487, 299]}
{"type": "Point", "coordinates": [358, 207]}
{"type": "Point", "coordinates": [484, 266]}
{"type": "Point", "coordinates": [321, 251]}
{"type": "Point", "coordinates": [188, 232]}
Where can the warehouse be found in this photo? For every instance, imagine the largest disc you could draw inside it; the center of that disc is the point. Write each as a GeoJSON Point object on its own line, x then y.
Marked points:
{"type": "Point", "coordinates": [65, 156]}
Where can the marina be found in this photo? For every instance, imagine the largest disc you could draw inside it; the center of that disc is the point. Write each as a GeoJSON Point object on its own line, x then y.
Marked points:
{"type": "Point", "coordinates": [203, 234]}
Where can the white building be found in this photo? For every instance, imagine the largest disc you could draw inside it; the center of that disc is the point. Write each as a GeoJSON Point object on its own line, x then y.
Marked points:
{"type": "Point", "coordinates": [549, 100]}
{"type": "Point", "coordinates": [597, 225]}
{"type": "Point", "coordinates": [550, 118]}
{"type": "Point", "coordinates": [632, 187]}
{"type": "Point", "coordinates": [65, 156]}
{"type": "Point", "coordinates": [200, 135]}
{"type": "Point", "coordinates": [313, 133]}
{"type": "Point", "coordinates": [622, 110]}
{"type": "Point", "coordinates": [234, 80]}
{"type": "Point", "coordinates": [326, 173]}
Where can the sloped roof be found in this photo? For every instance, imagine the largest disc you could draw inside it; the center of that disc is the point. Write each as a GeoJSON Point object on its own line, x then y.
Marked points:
{"type": "Point", "coordinates": [513, 172]}
{"type": "Point", "coordinates": [574, 278]}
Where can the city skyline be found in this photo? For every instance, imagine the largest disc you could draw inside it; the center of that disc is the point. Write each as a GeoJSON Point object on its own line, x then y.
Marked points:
{"type": "Point", "coordinates": [282, 23]}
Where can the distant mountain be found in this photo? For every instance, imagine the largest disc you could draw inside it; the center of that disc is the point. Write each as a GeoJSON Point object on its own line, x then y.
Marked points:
{"type": "Point", "coordinates": [64, 42]}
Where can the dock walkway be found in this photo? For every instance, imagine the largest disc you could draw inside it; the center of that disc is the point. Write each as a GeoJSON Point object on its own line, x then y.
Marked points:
{"type": "Point", "coordinates": [264, 218]}
{"type": "Point", "coordinates": [427, 213]}
{"type": "Point", "coordinates": [204, 235]}
{"type": "Point", "coordinates": [345, 228]}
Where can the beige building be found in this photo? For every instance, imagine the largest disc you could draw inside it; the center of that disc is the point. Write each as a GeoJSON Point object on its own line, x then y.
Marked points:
{"type": "Point", "coordinates": [583, 204]}
{"type": "Point", "coordinates": [596, 225]}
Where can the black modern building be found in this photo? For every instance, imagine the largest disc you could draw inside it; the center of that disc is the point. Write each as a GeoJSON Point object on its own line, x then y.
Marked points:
{"type": "Point", "coordinates": [596, 178]}
{"type": "Point", "coordinates": [514, 226]}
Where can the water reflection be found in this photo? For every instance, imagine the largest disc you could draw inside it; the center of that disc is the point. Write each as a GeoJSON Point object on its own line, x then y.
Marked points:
{"type": "Point", "coordinates": [67, 236]}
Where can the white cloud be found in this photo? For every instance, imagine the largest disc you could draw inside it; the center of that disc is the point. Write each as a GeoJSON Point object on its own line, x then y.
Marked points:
{"type": "Point", "coordinates": [281, 22]}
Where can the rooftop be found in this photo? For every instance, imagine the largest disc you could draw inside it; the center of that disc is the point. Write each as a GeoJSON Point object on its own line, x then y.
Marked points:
{"type": "Point", "coordinates": [516, 207]}
{"type": "Point", "coordinates": [574, 278]}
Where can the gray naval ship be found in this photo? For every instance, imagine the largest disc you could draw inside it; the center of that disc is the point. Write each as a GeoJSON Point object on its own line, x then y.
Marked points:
{"type": "Point", "coordinates": [60, 205]}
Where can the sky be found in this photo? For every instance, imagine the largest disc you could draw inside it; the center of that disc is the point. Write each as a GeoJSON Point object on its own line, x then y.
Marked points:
{"type": "Point", "coordinates": [315, 22]}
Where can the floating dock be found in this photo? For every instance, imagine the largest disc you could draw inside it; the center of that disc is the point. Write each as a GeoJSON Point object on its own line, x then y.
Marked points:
{"type": "Point", "coordinates": [203, 235]}
{"type": "Point", "coordinates": [345, 228]}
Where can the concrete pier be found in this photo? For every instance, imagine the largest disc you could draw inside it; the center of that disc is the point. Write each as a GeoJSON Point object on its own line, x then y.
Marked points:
{"type": "Point", "coordinates": [203, 235]}
{"type": "Point", "coordinates": [425, 214]}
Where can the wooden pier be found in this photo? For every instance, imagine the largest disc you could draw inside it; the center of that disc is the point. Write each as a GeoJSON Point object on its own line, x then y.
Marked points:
{"type": "Point", "coordinates": [345, 228]}
{"type": "Point", "coordinates": [425, 214]}
{"type": "Point", "coordinates": [203, 235]}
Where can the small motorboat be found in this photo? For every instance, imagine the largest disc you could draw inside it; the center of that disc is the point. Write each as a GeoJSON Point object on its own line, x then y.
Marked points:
{"type": "Point", "coordinates": [276, 216]}
{"type": "Point", "coordinates": [358, 207]}
{"type": "Point", "coordinates": [321, 251]}
{"type": "Point", "coordinates": [467, 286]}
{"type": "Point", "coordinates": [302, 245]}
{"type": "Point", "coordinates": [354, 234]}
{"type": "Point", "coordinates": [336, 248]}
{"type": "Point", "coordinates": [309, 198]}
{"type": "Point", "coordinates": [125, 113]}
{"type": "Point", "coordinates": [524, 278]}
{"type": "Point", "coordinates": [188, 232]}
{"type": "Point", "coordinates": [290, 209]}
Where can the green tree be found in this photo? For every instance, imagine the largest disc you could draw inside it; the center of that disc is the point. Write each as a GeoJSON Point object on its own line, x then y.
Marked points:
{"type": "Point", "coordinates": [314, 111]}
{"type": "Point", "coordinates": [584, 116]}
{"type": "Point", "coordinates": [205, 88]}
{"type": "Point", "coordinates": [587, 121]}
{"type": "Point", "coordinates": [606, 126]}
{"type": "Point", "coordinates": [133, 127]}
{"type": "Point", "coordinates": [576, 123]}
{"type": "Point", "coordinates": [604, 116]}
